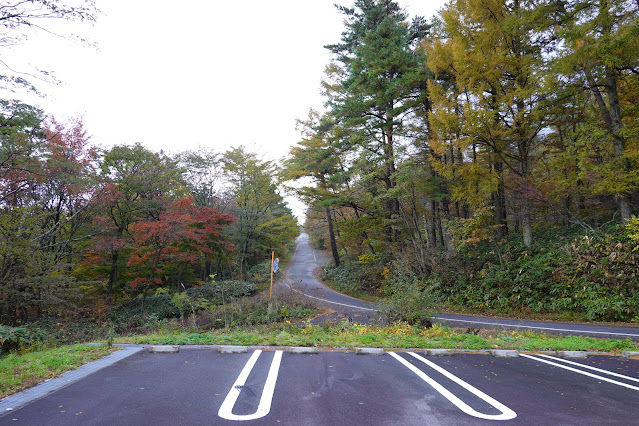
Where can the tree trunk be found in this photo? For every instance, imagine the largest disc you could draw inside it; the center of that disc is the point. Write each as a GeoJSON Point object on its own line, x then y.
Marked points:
{"type": "Point", "coordinates": [612, 117]}
{"type": "Point", "coordinates": [526, 227]}
{"type": "Point", "coordinates": [392, 205]}
{"type": "Point", "coordinates": [331, 237]}
{"type": "Point", "coordinates": [113, 276]}
{"type": "Point", "coordinates": [499, 199]}
{"type": "Point", "coordinates": [620, 143]}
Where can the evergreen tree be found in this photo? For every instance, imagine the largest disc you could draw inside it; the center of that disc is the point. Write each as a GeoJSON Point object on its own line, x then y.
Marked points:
{"type": "Point", "coordinates": [383, 88]}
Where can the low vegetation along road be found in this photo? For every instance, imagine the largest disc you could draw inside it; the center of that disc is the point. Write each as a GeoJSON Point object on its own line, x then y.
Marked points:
{"type": "Point", "coordinates": [300, 278]}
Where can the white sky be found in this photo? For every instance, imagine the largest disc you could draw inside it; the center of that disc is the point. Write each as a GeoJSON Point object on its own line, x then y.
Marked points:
{"type": "Point", "coordinates": [180, 75]}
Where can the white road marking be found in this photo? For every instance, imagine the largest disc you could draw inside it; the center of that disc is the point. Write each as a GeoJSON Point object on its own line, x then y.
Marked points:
{"type": "Point", "coordinates": [610, 373]}
{"type": "Point", "coordinates": [506, 413]}
{"type": "Point", "coordinates": [329, 301]}
{"type": "Point", "coordinates": [537, 328]}
{"type": "Point", "coordinates": [585, 373]}
{"type": "Point", "coordinates": [264, 407]}
{"type": "Point", "coordinates": [337, 303]}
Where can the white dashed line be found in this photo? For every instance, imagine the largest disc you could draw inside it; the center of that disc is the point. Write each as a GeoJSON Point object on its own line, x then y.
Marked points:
{"type": "Point", "coordinates": [337, 303]}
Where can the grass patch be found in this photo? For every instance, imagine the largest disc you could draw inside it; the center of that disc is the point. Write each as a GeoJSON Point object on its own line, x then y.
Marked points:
{"type": "Point", "coordinates": [401, 336]}
{"type": "Point", "coordinates": [21, 371]}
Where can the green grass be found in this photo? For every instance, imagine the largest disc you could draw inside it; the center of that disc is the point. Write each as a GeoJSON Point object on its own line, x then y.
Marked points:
{"type": "Point", "coordinates": [18, 372]}
{"type": "Point", "coordinates": [401, 336]}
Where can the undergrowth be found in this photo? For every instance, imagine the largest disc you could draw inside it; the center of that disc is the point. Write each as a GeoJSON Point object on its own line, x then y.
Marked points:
{"type": "Point", "coordinates": [567, 273]}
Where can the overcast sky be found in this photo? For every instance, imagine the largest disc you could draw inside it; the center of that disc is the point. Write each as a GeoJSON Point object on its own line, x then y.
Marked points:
{"type": "Point", "coordinates": [180, 75]}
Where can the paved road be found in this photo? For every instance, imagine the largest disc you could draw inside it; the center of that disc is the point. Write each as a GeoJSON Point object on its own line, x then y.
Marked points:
{"type": "Point", "coordinates": [300, 278]}
{"type": "Point", "coordinates": [276, 387]}
{"type": "Point", "coordinates": [306, 259]}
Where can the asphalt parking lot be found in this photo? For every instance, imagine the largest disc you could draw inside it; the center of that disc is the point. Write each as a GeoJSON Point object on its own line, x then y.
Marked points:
{"type": "Point", "coordinates": [205, 386]}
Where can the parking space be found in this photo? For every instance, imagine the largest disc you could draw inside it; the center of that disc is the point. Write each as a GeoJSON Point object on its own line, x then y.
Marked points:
{"type": "Point", "coordinates": [204, 386]}
{"type": "Point", "coordinates": [544, 393]}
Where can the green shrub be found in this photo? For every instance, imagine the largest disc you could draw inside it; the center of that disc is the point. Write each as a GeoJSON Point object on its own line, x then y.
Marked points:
{"type": "Point", "coordinates": [260, 273]}
{"type": "Point", "coordinates": [130, 316]}
{"type": "Point", "coordinates": [19, 338]}
{"type": "Point", "coordinates": [593, 275]}
{"type": "Point", "coordinates": [223, 291]}
{"type": "Point", "coordinates": [410, 300]}
{"type": "Point", "coordinates": [251, 311]}
{"type": "Point", "coordinates": [355, 279]}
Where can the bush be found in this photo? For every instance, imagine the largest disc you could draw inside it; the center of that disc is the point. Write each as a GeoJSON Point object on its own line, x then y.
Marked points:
{"type": "Point", "coordinates": [19, 338]}
{"type": "Point", "coordinates": [355, 279]}
{"type": "Point", "coordinates": [10, 337]}
{"type": "Point", "coordinates": [567, 271]}
{"type": "Point", "coordinates": [223, 291]}
{"type": "Point", "coordinates": [129, 316]}
{"type": "Point", "coordinates": [247, 312]}
{"type": "Point", "coordinates": [410, 301]}
{"type": "Point", "coordinates": [260, 273]}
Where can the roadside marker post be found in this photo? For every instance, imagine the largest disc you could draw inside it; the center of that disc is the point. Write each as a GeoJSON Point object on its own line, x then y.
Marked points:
{"type": "Point", "coordinates": [270, 293]}
{"type": "Point", "coordinates": [274, 267]}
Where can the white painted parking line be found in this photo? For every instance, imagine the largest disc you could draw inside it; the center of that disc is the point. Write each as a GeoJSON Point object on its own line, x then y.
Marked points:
{"type": "Point", "coordinates": [506, 413]}
{"type": "Point", "coordinates": [585, 373]}
{"type": "Point", "coordinates": [264, 407]}
{"type": "Point", "coordinates": [588, 367]}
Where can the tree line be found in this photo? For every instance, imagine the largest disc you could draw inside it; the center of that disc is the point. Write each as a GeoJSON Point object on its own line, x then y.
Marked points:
{"type": "Point", "coordinates": [80, 225]}
{"type": "Point", "coordinates": [84, 229]}
{"type": "Point", "coordinates": [494, 118]}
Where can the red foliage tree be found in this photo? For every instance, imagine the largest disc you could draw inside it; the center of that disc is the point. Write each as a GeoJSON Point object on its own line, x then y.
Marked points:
{"type": "Point", "coordinates": [181, 236]}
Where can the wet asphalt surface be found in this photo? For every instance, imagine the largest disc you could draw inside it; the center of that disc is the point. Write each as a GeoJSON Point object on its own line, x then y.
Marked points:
{"type": "Point", "coordinates": [341, 388]}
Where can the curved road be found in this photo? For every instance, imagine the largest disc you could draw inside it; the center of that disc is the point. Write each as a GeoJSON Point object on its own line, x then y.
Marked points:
{"type": "Point", "coordinates": [299, 277]}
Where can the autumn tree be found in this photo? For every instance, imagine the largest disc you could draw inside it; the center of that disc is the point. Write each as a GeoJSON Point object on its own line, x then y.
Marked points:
{"type": "Point", "coordinates": [48, 184]}
{"type": "Point", "coordinates": [136, 184]}
{"type": "Point", "coordinates": [599, 53]}
{"type": "Point", "coordinates": [162, 248]}
{"type": "Point", "coordinates": [203, 171]}
{"type": "Point", "coordinates": [495, 108]}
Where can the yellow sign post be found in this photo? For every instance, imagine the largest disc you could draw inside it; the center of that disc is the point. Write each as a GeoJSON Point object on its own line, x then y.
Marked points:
{"type": "Point", "coordinates": [270, 294]}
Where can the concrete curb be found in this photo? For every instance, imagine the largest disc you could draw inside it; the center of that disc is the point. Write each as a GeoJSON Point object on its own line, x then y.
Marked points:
{"type": "Point", "coordinates": [369, 351]}
{"type": "Point", "coordinates": [572, 354]}
{"type": "Point", "coordinates": [439, 352]}
{"type": "Point", "coordinates": [500, 353]}
{"type": "Point", "coordinates": [302, 350]}
{"type": "Point", "coordinates": [164, 349]}
{"type": "Point", "coordinates": [232, 349]}
{"type": "Point", "coordinates": [630, 354]}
